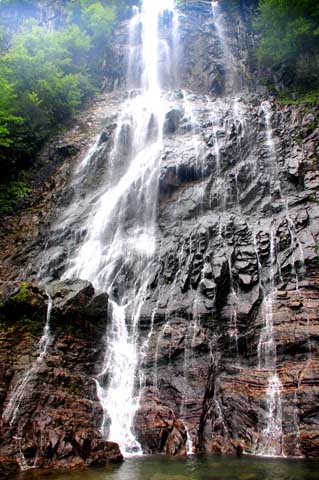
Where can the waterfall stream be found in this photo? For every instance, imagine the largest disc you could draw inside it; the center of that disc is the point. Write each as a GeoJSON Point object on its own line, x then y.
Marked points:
{"type": "Point", "coordinates": [270, 443]}
{"type": "Point", "coordinates": [119, 247]}
{"type": "Point", "coordinates": [233, 80]}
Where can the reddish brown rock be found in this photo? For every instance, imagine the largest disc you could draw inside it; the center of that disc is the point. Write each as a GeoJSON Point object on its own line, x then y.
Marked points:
{"type": "Point", "coordinates": [57, 421]}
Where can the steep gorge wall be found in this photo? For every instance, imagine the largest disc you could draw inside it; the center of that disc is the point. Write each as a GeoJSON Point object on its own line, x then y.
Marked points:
{"type": "Point", "coordinates": [50, 14]}
{"type": "Point", "coordinates": [54, 421]}
{"type": "Point", "coordinates": [238, 224]}
{"type": "Point", "coordinates": [215, 266]}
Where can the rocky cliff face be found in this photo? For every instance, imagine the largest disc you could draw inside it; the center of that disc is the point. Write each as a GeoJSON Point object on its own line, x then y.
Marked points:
{"type": "Point", "coordinates": [231, 316]}
{"type": "Point", "coordinates": [50, 413]}
{"type": "Point", "coordinates": [50, 14]}
{"type": "Point", "coordinates": [229, 225]}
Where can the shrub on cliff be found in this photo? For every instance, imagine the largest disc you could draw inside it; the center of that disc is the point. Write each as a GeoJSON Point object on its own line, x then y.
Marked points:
{"type": "Point", "coordinates": [45, 74]}
{"type": "Point", "coordinates": [289, 34]}
{"type": "Point", "coordinates": [43, 77]}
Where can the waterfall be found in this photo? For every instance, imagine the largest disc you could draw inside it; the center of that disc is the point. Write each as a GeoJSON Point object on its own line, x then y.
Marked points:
{"type": "Point", "coordinates": [189, 443]}
{"type": "Point", "coordinates": [118, 250]}
{"type": "Point", "coordinates": [271, 436]}
{"type": "Point", "coordinates": [270, 442]}
{"type": "Point", "coordinates": [233, 328]}
{"type": "Point", "coordinates": [191, 207]}
{"type": "Point", "coordinates": [229, 62]}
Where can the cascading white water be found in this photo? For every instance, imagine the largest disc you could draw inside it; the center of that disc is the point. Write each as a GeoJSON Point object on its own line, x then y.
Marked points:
{"type": "Point", "coordinates": [22, 387]}
{"type": "Point", "coordinates": [267, 345]}
{"type": "Point", "coordinates": [119, 247]}
{"type": "Point", "coordinates": [270, 442]}
{"type": "Point", "coordinates": [270, 145]}
{"type": "Point", "coordinates": [189, 444]}
{"type": "Point", "coordinates": [230, 64]}
{"type": "Point", "coordinates": [233, 330]}
{"type": "Point", "coordinates": [271, 436]}
{"type": "Point", "coordinates": [266, 109]}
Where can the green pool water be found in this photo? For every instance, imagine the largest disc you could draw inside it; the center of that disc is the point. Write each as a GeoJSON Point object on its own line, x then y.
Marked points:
{"type": "Point", "coordinates": [194, 467]}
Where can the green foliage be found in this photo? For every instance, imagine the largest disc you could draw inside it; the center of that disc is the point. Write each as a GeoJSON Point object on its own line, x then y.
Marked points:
{"type": "Point", "coordinates": [7, 118]}
{"type": "Point", "coordinates": [5, 328]}
{"type": "Point", "coordinates": [300, 97]}
{"type": "Point", "coordinates": [99, 20]}
{"type": "Point", "coordinates": [289, 34]}
{"type": "Point", "coordinates": [45, 76]}
{"type": "Point", "coordinates": [73, 388]}
{"type": "Point", "coordinates": [23, 295]}
{"type": "Point", "coordinates": [22, 323]}
{"type": "Point", "coordinates": [12, 192]}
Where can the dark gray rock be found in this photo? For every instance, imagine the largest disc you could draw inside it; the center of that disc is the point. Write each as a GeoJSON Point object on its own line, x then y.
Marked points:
{"type": "Point", "coordinates": [172, 121]}
{"type": "Point", "coordinates": [67, 150]}
{"type": "Point", "coordinates": [75, 304]}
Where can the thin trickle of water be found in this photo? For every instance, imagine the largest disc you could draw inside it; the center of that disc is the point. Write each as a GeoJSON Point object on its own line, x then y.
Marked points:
{"type": "Point", "coordinates": [233, 79]}
{"type": "Point", "coordinates": [270, 442]}
{"type": "Point", "coordinates": [217, 149]}
{"type": "Point", "coordinates": [275, 185]}
{"type": "Point", "coordinates": [189, 443]}
{"type": "Point", "coordinates": [271, 437]}
{"type": "Point", "coordinates": [220, 420]}
{"type": "Point", "coordinates": [22, 462]}
{"type": "Point", "coordinates": [233, 331]}
{"type": "Point", "coordinates": [11, 412]}
{"type": "Point", "coordinates": [267, 345]}
{"type": "Point", "coordinates": [298, 261]}
{"type": "Point", "coordinates": [189, 345]}
{"type": "Point", "coordinates": [266, 109]}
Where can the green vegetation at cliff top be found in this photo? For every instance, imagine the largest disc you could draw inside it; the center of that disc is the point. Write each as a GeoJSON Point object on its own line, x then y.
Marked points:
{"type": "Point", "coordinates": [289, 39]}
{"type": "Point", "coordinates": [45, 75]}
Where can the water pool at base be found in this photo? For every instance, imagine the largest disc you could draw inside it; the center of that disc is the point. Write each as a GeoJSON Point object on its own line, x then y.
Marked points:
{"type": "Point", "coordinates": [195, 467]}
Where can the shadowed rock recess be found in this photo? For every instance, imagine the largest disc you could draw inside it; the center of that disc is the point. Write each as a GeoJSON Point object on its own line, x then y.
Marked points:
{"type": "Point", "coordinates": [228, 330]}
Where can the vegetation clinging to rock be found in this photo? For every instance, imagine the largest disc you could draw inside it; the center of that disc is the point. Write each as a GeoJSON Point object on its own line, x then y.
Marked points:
{"type": "Point", "coordinates": [289, 39]}
{"type": "Point", "coordinates": [45, 75]}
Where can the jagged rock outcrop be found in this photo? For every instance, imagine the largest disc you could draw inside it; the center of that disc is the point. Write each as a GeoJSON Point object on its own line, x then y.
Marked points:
{"type": "Point", "coordinates": [49, 14]}
{"type": "Point", "coordinates": [50, 414]}
{"type": "Point", "coordinates": [245, 217]}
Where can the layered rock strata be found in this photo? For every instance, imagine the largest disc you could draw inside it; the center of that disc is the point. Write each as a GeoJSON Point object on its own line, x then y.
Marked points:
{"type": "Point", "coordinates": [237, 254]}
{"type": "Point", "coordinates": [54, 419]}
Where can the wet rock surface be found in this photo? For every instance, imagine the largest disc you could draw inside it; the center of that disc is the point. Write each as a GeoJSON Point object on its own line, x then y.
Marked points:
{"type": "Point", "coordinates": [244, 223]}
{"type": "Point", "coordinates": [24, 235]}
{"type": "Point", "coordinates": [238, 225]}
{"type": "Point", "coordinates": [57, 421]}
{"type": "Point", "coordinates": [224, 238]}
